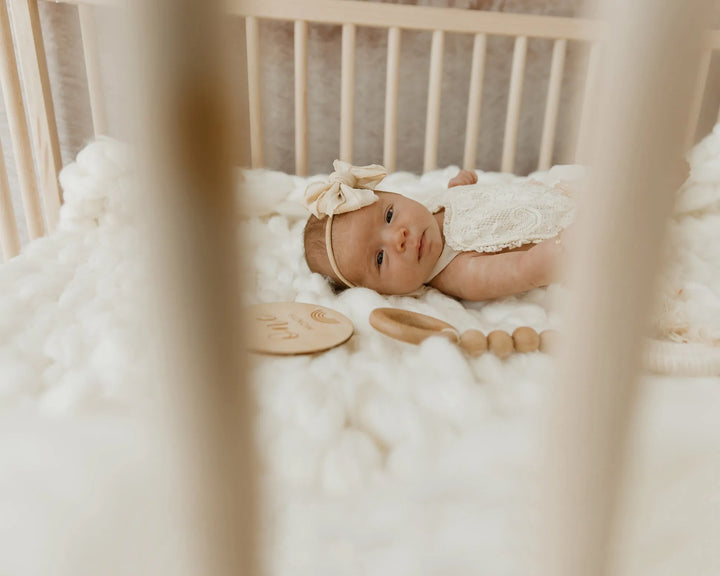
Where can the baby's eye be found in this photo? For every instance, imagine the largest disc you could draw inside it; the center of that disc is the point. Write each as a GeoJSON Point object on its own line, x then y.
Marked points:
{"type": "Point", "coordinates": [389, 215]}
{"type": "Point", "coordinates": [379, 258]}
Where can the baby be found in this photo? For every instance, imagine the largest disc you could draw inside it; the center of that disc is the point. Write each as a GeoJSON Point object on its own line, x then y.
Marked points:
{"type": "Point", "coordinates": [474, 242]}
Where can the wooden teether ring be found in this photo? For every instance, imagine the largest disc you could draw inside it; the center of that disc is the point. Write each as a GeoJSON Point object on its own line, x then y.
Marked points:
{"type": "Point", "coordinates": [414, 327]}
{"type": "Point", "coordinates": [411, 327]}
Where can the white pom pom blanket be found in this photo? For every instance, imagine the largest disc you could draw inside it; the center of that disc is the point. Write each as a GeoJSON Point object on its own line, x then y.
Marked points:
{"type": "Point", "coordinates": [378, 457]}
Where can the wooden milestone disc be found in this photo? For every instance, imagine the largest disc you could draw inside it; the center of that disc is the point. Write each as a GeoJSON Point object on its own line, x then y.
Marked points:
{"type": "Point", "coordinates": [295, 328]}
{"type": "Point", "coordinates": [409, 326]}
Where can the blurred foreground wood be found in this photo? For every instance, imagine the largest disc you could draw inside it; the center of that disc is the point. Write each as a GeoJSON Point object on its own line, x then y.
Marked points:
{"type": "Point", "coordinates": [186, 151]}
{"type": "Point", "coordinates": [652, 56]}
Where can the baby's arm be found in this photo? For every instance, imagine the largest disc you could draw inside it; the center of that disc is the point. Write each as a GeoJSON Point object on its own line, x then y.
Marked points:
{"type": "Point", "coordinates": [473, 276]}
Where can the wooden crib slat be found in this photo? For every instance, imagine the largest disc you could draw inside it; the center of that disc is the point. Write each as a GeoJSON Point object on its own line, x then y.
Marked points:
{"type": "Point", "coordinates": [301, 110]}
{"type": "Point", "coordinates": [391, 99]}
{"type": "Point", "coordinates": [427, 18]}
{"type": "Point", "coordinates": [43, 127]}
{"type": "Point", "coordinates": [703, 70]}
{"type": "Point", "coordinates": [195, 339]}
{"type": "Point", "coordinates": [12, 94]}
{"type": "Point", "coordinates": [514, 100]}
{"type": "Point", "coordinates": [252, 33]}
{"type": "Point", "coordinates": [347, 96]}
{"type": "Point", "coordinates": [594, 409]}
{"type": "Point", "coordinates": [474, 101]}
{"type": "Point", "coordinates": [552, 105]}
{"type": "Point", "coordinates": [432, 123]}
{"type": "Point", "coordinates": [88, 31]}
{"type": "Point", "coordinates": [9, 239]}
{"type": "Point", "coordinates": [581, 150]}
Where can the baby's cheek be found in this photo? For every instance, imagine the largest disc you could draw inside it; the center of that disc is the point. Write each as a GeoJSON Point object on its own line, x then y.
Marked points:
{"type": "Point", "coordinates": [420, 273]}
{"type": "Point", "coordinates": [404, 279]}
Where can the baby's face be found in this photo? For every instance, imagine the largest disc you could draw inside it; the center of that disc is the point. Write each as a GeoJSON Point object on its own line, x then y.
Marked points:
{"type": "Point", "coordinates": [390, 246]}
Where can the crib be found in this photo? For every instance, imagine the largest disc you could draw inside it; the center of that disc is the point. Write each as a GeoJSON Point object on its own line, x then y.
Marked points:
{"type": "Point", "coordinates": [41, 211]}
{"type": "Point", "coordinates": [36, 150]}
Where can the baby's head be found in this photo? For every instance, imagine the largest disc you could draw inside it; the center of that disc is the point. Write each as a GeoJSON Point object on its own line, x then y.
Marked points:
{"type": "Point", "coordinates": [390, 244]}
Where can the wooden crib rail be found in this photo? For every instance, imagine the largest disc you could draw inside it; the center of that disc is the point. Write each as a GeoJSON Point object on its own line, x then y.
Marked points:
{"type": "Point", "coordinates": [395, 18]}
{"type": "Point", "coordinates": [418, 18]}
{"type": "Point", "coordinates": [41, 113]}
{"type": "Point", "coordinates": [30, 59]}
{"type": "Point", "coordinates": [19, 131]}
{"type": "Point", "coordinates": [349, 15]}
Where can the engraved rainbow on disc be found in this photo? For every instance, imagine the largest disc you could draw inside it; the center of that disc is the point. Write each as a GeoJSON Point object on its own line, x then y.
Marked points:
{"type": "Point", "coordinates": [295, 328]}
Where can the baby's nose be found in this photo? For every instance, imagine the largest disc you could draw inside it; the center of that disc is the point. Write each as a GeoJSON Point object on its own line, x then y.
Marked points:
{"type": "Point", "coordinates": [400, 238]}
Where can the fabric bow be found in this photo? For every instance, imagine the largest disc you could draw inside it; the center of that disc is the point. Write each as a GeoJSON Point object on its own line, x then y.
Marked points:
{"type": "Point", "coordinates": [348, 188]}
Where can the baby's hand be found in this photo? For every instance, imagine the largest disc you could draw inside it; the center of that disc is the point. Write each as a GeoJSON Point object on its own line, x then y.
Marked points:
{"type": "Point", "coordinates": [464, 178]}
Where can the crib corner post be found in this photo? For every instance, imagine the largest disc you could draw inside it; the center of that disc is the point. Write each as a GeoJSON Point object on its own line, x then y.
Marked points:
{"type": "Point", "coordinates": [41, 113]}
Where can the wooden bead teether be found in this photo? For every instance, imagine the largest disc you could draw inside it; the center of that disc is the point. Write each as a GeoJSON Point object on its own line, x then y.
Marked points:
{"type": "Point", "coordinates": [414, 327]}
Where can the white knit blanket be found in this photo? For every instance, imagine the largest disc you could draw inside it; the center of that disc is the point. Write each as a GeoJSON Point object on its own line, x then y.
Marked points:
{"type": "Point", "coordinates": [378, 457]}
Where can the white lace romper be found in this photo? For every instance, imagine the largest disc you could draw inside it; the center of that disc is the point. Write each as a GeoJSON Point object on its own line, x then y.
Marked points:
{"type": "Point", "coordinates": [493, 217]}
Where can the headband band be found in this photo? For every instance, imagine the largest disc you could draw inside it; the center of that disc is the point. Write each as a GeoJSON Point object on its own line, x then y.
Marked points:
{"type": "Point", "coordinates": [331, 256]}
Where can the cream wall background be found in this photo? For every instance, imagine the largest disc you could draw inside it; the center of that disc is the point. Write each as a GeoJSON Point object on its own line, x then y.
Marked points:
{"type": "Point", "coordinates": [65, 60]}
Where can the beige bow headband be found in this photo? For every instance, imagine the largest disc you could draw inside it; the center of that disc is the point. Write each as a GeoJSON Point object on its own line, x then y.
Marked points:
{"type": "Point", "coordinates": [347, 189]}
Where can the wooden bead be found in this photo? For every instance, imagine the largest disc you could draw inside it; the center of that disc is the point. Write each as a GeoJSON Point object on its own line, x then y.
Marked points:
{"type": "Point", "coordinates": [548, 340]}
{"type": "Point", "coordinates": [526, 339]}
{"type": "Point", "coordinates": [473, 342]}
{"type": "Point", "coordinates": [500, 343]}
